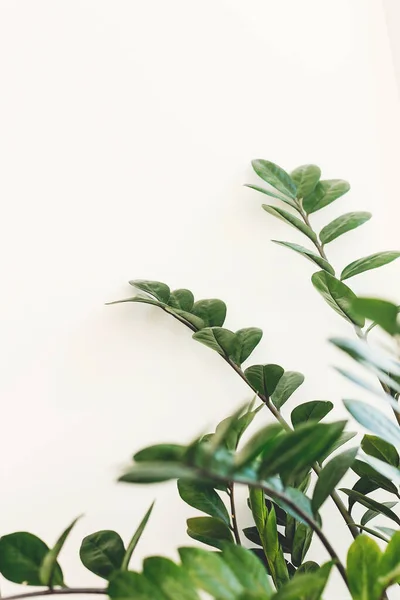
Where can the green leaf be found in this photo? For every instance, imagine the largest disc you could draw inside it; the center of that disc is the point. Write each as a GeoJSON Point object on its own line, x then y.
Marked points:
{"type": "Point", "coordinates": [367, 263]}
{"type": "Point", "coordinates": [338, 296]}
{"type": "Point", "coordinates": [160, 452]}
{"type": "Point", "coordinates": [272, 194]}
{"type": "Point", "coordinates": [360, 351]}
{"type": "Point", "coordinates": [296, 497]}
{"type": "Point", "coordinates": [345, 437]}
{"type": "Point", "coordinates": [299, 449]}
{"type": "Point", "coordinates": [389, 567]}
{"type": "Point", "coordinates": [209, 530]}
{"type": "Point", "coordinates": [135, 538]}
{"type": "Point", "coordinates": [159, 291]}
{"type": "Point", "coordinates": [140, 299]}
{"type": "Point", "coordinates": [315, 258]}
{"type": "Point", "coordinates": [155, 472]}
{"type": "Point", "coordinates": [325, 192]}
{"type": "Point", "coordinates": [315, 410]}
{"type": "Point", "coordinates": [49, 567]}
{"type": "Point", "coordinates": [212, 312]}
{"type": "Point", "coordinates": [306, 178]}
{"type": "Point", "coordinates": [364, 486]}
{"type": "Point", "coordinates": [372, 504]}
{"type": "Point", "coordinates": [275, 176]}
{"type": "Point", "coordinates": [377, 447]}
{"type": "Point", "coordinates": [387, 471]}
{"type": "Point", "coordinates": [211, 573]}
{"type": "Point", "coordinates": [287, 217]}
{"type": "Point", "coordinates": [330, 476]}
{"type": "Point", "coordinates": [130, 585]}
{"type": "Point", "coordinates": [258, 508]}
{"type": "Point", "coordinates": [374, 420]}
{"type": "Point", "coordinates": [217, 338]}
{"type": "Point", "coordinates": [21, 557]}
{"type": "Point", "coordinates": [286, 386]}
{"type": "Point", "coordinates": [102, 553]}
{"type": "Point", "coordinates": [204, 498]}
{"type": "Point", "coordinates": [273, 550]}
{"type": "Point", "coordinates": [383, 313]}
{"type": "Point", "coordinates": [244, 343]}
{"type": "Point", "coordinates": [305, 586]}
{"type": "Point", "coordinates": [247, 568]}
{"type": "Point", "coordinates": [170, 578]}
{"type": "Point", "coordinates": [264, 378]}
{"type": "Point", "coordinates": [363, 568]}
{"type": "Point", "coordinates": [181, 299]}
{"type": "Point", "coordinates": [342, 225]}
{"type": "Point", "coordinates": [301, 543]}
{"type": "Point", "coordinates": [387, 531]}
{"type": "Point", "coordinates": [260, 442]}
{"type": "Point", "coordinates": [187, 316]}
{"type": "Point", "coordinates": [308, 567]}
{"type": "Point", "coordinates": [364, 469]}
{"type": "Point", "coordinates": [372, 513]}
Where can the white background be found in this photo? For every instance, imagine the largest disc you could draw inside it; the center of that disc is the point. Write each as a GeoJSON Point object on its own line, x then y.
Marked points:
{"type": "Point", "coordinates": [127, 129]}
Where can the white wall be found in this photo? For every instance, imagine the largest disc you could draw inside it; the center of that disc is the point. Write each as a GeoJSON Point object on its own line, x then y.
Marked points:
{"type": "Point", "coordinates": [126, 135]}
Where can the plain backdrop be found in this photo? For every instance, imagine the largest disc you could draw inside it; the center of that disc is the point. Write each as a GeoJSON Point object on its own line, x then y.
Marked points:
{"type": "Point", "coordinates": [127, 130]}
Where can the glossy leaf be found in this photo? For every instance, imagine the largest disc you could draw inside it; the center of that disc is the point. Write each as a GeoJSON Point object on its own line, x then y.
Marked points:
{"type": "Point", "coordinates": [264, 378]}
{"type": "Point", "coordinates": [128, 584]}
{"type": "Point", "coordinates": [315, 410]}
{"type": "Point", "coordinates": [389, 566]}
{"type": "Point", "coordinates": [364, 486]}
{"type": "Point", "coordinates": [374, 420]}
{"type": "Point", "coordinates": [212, 312]}
{"type": "Point", "coordinates": [290, 219]}
{"type": "Point", "coordinates": [217, 338]}
{"type": "Point", "coordinates": [188, 318]}
{"type": "Point", "coordinates": [160, 452]}
{"type": "Point", "coordinates": [331, 475]}
{"type": "Point", "coordinates": [209, 530]}
{"type": "Point", "coordinates": [301, 543]}
{"type": "Point", "coordinates": [135, 538]}
{"type": "Point", "coordinates": [247, 568]}
{"type": "Point", "coordinates": [325, 192]}
{"type": "Point", "coordinates": [387, 471]}
{"type": "Point", "coordinates": [372, 513]}
{"type": "Point", "coordinates": [372, 504]}
{"type": "Point", "coordinates": [260, 442]}
{"type": "Point", "coordinates": [379, 448]}
{"type": "Point", "coordinates": [338, 296]}
{"type": "Point", "coordinates": [49, 566]}
{"type": "Point", "coordinates": [204, 498]}
{"type": "Point", "coordinates": [309, 254]}
{"type": "Point", "coordinates": [181, 299]}
{"type": "Point", "coordinates": [383, 313]}
{"type": "Point", "coordinates": [102, 553]}
{"type": "Point", "coordinates": [159, 291]}
{"type": "Point", "coordinates": [367, 263]}
{"type": "Point", "coordinates": [171, 579]}
{"type": "Point", "coordinates": [363, 469]}
{"type": "Point", "coordinates": [275, 176]}
{"type": "Point", "coordinates": [306, 178]}
{"type": "Point", "coordinates": [342, 225]}
{"type": "Point", "coordinates": [306, 586]}
{"type": "Point", "coordinates": [272, 194]}
{"type": "Point", "coordinates": [21, 557]}
{"type": "Point", "coordinates": [363, 568]}
{"type": "Point", "coordinates": [286, 386]}
{"type": "Point", "coordinates": [244, 343]}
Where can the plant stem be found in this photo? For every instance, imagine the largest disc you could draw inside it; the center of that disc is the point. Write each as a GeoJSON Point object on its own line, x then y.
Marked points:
{"type": "Point", "coordinates": [235, 529]}
{"type": "Point", "coordinates": [53, 592]}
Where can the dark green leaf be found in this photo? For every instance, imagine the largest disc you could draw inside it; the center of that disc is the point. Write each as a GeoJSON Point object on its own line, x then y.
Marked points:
{"type": "Point", "coordinates": [305, 586]}
{"type": "Point", "coordinates": [382, 312]}
{"type": "Point", "coordinates": [187, 316]}
{"type": "Point", "coordinates": [140, 299]}
{"type": "Point", "coordinates": [372, 513]}
{"type": "Point", "coordinates": [315, 258]}
{"type": "Point", "coordinates": [49, 567]}
{"type": "Point", "coordinates": [306, 178]}
{"type": "Point", "coordinates": [367, 263]}
{"type": "Point", "coordinates": [290, 219]}
{"type": "Point", "coordinates": [247, 568]}
{"type": "Point", "coordinates": [301, 543]}
{"type": "Point", "coordinates": [374, 420]}
{"type": "Point", "coordinates": [155, 472]}
{"type": "Point", "coordinates": [389, 567]}
{"type": "Point", "coordinates": [338, 296]}
{"type": "Point", "coordinates": [296, 498]}
{"type": "Point", "coordinates": [325, 192]}
{"type": "Point", "coordinates": [212, 312]}
{"type": "Point", "coordinates": [264, 378]}
{"type": "Point", "coordinates": [342, 225]}
{"type": "Point", "coordinates": [251, 533]}
{"type": "Point", "coordinates": [244, 343]}
{"type": "Point", "coordinates": [209, 530]}
{"type": "Point", "coordinates": [102, 553]}
{"type": "Point", "coordinates": [363, 486]}
{"type": "Point", "coordinates": [373, 504]}
{"type": "Point", "coordinates": [21, 556]}
{"type": "Point", "coordinates": [135, 538]}
{"type": "Point", "coordinates": [345, 437]}
{"type": "Point", "coordinates": [272, 194]}
{"type": "Point", "coordinates": [160, 452]}
{"type": "Point", "coordinates": [387, 471]}
{"type": "Point", "coordinates": [170, 578]}
{"type": "Point", "coordinates": [275, 176]}
{"type": "Point", "coordinates": [315, 410]}
{"type": "Point", "coordinates": [159, 291]}
{"type": "Point", "coordinates": [204, 498]}
{"type": "Point", "coordinates": [308, 567]}
{"type": "Point", "coordinates": [330, 476]}
{"type": "Point", "coordinates": [130, 585]}
{"type": "Point", "coordinates": [286, 386]}
{"type": "Point", "coordinates": [217, 338]}
{"type": "Point", "coordinates": [363, 568]}
{"type": "Point", "coordinates": [377, 447]}
{"type": "Point", "coordinates": [181, 299]}
{"type": "Point", "coordinates": [260, 442]}
{"type": "Point", "coordinates": [366, 470]}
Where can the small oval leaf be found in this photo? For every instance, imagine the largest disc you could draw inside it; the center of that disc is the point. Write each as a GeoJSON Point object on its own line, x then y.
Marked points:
{"type": "Point", "coordinates": [325, 192]}
{"type": "Point", "coordinates": [315, 410]}
{"type": "Point", "coordinates": [338, 296]}
{"type": "Point", "coordinates": [102, 553]}
{"type": "Point", "coordinates": [159, 291]}
{"type": "Point", "coordinates": [204, 498]}
{"type": "Point", "coordinates": [211, 311]}
{"type": "Point", "coordinates": [275, 176]}
{"type": "Point", "coordinates": [209, 530]}
{"type": "Point", "coordinates": [287, 385]}
{"type": "Point", "coordinates": [287, 217]}
{"type": "Point", "coordinates": [306, 178]}
{"type": "Point", "coordinates": [315, 258]}
{"type": "Point", "coordinates": [373, 261]}
{"type": "Point", "coordinates": [342, 225]}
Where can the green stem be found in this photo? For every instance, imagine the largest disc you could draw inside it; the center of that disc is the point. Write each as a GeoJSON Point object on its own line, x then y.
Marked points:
{"type": "Point", "coordinates": [235, 528]}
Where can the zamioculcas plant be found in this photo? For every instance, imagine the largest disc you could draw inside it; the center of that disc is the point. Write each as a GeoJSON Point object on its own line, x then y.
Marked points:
{"type": "Point", "coordinates": [290, 467]}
